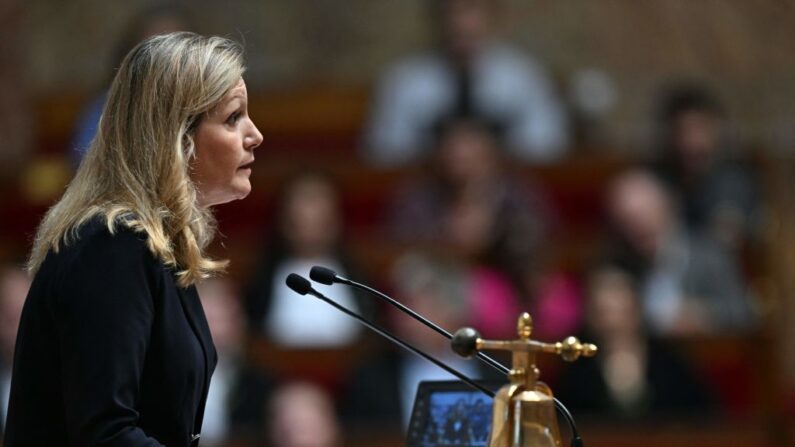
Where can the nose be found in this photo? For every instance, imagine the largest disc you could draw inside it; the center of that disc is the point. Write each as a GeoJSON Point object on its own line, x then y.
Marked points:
{"type": "Point", "coordinates": [254, 137]}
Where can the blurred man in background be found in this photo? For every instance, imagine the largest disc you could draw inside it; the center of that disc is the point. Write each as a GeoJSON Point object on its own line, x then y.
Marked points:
{"type": "Point", "coordinates": [689, 284]}
{"type": "Point", "coordinates": [471, 72]}
{"type": "Point", "coordinates": [719, 196]}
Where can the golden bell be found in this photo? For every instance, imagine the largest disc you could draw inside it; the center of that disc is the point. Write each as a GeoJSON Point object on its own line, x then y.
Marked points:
{"type": "Point", "coordinates": [523, 414]}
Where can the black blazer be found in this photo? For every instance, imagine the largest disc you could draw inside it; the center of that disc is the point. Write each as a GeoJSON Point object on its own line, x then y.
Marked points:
{"type": "Point", "coordinates": [110, 351]}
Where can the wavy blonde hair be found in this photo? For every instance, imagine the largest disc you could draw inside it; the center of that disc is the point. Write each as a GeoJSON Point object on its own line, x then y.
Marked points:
{"type": "Point", "coordinates": [136, 172]}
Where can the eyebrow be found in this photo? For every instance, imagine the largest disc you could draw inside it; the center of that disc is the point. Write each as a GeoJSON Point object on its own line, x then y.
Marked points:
{"type": "Point", "coordinates": [238, 95]}
{"type": "Point", "coordinates": [241, 96]}
{"type": "Point", "coordinates": [231, 101]}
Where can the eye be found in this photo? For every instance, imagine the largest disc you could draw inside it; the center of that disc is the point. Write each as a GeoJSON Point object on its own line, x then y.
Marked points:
{"type": "Point", "coordinates": [233, 117]}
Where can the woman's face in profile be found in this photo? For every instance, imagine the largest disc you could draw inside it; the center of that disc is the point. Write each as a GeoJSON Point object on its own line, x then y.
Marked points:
{"type": "Point", "coordinates": [225, 140]}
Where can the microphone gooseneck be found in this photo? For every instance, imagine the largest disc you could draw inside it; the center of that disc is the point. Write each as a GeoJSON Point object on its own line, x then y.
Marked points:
{"type": "Point", "coordinates": [328, 277]}
{"type": "Point", "coordinates": [301, 285]}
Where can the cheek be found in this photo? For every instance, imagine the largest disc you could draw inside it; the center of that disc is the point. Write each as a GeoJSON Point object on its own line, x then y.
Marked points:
{"type": "Point", "coordinates": [219, 153]}
{"type": "Point", "coordinates": [216, 160]}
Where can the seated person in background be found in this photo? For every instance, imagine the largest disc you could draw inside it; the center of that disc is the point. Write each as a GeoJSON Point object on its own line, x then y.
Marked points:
{"type": "Point", "coordinates": [14, 286]}
{"type": "Point", "coordinates": [470, 72]}
{"type": "Point", "coordinates": [719, 196]}
{"type": "Point", "coordinates": [469, 200]}
{"type": "Point", "coordinates": [633, 377]}
{"type": "Point", "coordinates": [301, 414]}
{"type": "Point", "coordinates": [689, 284]}
{"type": "Point", "coordinates": [235, 402]}
{"type": "Point", "coordinates": [309, 232]}
{"type": "Point", "coordinates": [381, 391]}
{"type": "Point", "coordinates": [472, 205]}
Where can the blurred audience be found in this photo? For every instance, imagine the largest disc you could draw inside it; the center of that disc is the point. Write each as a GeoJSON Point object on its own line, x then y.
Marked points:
{"type": "Point", "coordinates": [554, 299]}
{"type": "Point", "coordinates": [471, 72]}
{"type": "Point", "coordinates": [469, 201]}
{"type": "Point", "coordinates": [719, 196]}
{"type": "Point", "coordinates": [14, 286]}
{"type": "Point", "coordinates": [689, 284]}
{"type": "Point", "coordinates": [157, 19]}
{"type": "Point", "coordinates": [634, 377]}
{"type": "Point", "coordinates": [309, 231]}
{"type": "Point", "coordinates": [470, 204]}
{"type": "Point", "coordinates": [237, 396]}
{"type": "Point", "coordinates": [301, 414]}
{"type": "Point", "coordinates": [381, 392]}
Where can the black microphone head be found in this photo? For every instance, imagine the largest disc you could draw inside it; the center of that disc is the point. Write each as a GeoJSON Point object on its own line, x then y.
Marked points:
{"type": "Point", "coordinates": [298, 284]}
{"type": "Point", "coordinates": [323, 275]}
{"type": "Point", "coordinates": [465, 341]}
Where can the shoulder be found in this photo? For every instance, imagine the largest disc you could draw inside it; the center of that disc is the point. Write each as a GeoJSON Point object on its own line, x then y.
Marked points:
{"type": "Point", "coordinates": [511, 64]}
{"type": "Point", "coordinates": [415, 70]}
{"type": "Point", "coordinates": [99, 273]}
{"type": "Point", "coordinates": [97, 242]}
{"type": "Point", "coordinates": [96, 252]}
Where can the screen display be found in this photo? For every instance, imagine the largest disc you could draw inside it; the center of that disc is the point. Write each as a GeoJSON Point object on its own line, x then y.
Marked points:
{"type": "Point", "coordinates": [450, 417]}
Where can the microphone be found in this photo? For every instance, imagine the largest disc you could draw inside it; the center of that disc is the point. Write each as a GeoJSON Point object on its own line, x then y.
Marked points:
{"type": "Point", "coordinates": [301, 286]}
{"type": "Point", "coordinates": [298, 284]}
{"type": "Point", "coordinates": [462, 343]}
{"type": "Point", "coordinates": [328, 277]}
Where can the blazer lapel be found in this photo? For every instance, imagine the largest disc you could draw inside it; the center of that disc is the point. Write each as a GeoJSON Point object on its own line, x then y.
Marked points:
{"type": "Point", "coordinates": [198, 322]}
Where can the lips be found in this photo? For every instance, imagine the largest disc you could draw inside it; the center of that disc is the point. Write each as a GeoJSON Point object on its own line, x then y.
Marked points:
{"type": "Point", "coordinates": [247, 165]}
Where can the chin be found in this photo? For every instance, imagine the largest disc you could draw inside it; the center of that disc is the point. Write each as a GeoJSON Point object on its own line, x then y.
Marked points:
{"type": "Point", "coordinates": [242, 192]}
{"type": "Point", "coordinates": [228, 196]}
{"type": "Point", "coordinates": [242, 195]}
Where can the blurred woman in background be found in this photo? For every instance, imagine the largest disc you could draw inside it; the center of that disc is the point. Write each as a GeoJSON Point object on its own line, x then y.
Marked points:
{"type": "Point", "coordinates": [309, 232]}
{"type": "Point", "coordinates": [635, 376]}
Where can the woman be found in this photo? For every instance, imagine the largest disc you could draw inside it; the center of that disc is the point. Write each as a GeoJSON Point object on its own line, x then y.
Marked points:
{"type": "Point", "coordinates": [310, 231]}
{"type": "Point", "coordinates": [113, 347]}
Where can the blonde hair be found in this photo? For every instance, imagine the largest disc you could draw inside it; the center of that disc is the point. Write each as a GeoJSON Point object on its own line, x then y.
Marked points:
{"type": "Point", "coordinates": [136, 172]}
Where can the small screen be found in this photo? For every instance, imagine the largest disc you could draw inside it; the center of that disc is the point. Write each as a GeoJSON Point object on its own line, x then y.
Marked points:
{"type": "Point", "coordinates": [450, 414]}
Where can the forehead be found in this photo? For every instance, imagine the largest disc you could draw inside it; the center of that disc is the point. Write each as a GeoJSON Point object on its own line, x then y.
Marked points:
{"type": "Point", "coordinates": [233, 97]}
{"type": "Point", "coordinates": [238, 91]}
